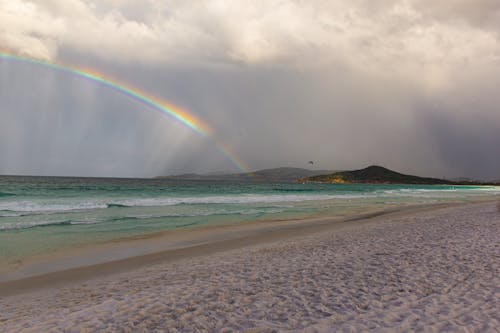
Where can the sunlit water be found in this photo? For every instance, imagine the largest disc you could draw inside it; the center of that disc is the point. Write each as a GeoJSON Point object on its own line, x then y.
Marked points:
{"type": "Point", "coordinates": [44, 214]}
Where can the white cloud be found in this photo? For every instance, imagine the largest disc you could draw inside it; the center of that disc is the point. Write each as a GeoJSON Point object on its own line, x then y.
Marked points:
{"type": "Point", "coordinates": [417, 40]}
{"type": "Point", "coordinates": [254, 31]}
{"type": "Point", "coordinates": [28, 31]}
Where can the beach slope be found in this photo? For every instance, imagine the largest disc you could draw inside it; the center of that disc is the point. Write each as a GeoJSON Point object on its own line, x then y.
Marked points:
{"type": "Point", "coordinates": [432, 270]}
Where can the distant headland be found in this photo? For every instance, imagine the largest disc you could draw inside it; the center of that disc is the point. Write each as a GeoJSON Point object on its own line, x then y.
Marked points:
{"type": "Point", "coordinates": [370, 175]}
{"type": "Point", "coordinates": [379, 175]}
{"type": "Point", "coordinates": [283, 174]}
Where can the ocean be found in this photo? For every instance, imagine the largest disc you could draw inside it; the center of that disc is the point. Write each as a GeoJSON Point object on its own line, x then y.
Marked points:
{"type": "Point", "coordinates": [40, 215]}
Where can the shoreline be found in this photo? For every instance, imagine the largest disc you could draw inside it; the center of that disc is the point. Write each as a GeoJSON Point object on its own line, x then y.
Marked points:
{"type": "Point", "coordinates": [432, 268]}
{"type": "Point", "coordinates": [168, 246]}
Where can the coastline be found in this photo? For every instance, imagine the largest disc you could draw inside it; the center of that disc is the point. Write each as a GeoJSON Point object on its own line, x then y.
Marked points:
{"type": "Point", "coordinates": [421, 269]}
{"type": "Point", "coordinates": [168, 246]}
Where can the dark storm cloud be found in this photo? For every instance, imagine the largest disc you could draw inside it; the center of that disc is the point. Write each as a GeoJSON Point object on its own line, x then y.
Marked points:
{"type": "Point", "coordinates": [409, 85]}
{"type": "Point", "coordinates": [466, 145]}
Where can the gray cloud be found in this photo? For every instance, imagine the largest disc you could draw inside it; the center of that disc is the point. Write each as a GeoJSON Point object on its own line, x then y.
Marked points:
{"type": "Point", "coordinates": [480, 13]}
{"type": "Point", "coordinates": [410, 85]}
{"type": "Point", "coordinates": [466, 145]}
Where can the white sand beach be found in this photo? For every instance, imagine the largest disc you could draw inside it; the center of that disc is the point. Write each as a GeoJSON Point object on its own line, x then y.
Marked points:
{"type": "Point", "coordinates": [429, 270]}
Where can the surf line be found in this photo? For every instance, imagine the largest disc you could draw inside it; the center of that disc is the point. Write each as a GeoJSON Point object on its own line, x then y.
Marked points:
{"type": "Point", "coordinates": [150, 101]}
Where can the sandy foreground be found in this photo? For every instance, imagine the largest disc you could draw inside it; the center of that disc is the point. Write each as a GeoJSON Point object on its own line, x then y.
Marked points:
{"type": "Point", "coordinates": [429, 270]}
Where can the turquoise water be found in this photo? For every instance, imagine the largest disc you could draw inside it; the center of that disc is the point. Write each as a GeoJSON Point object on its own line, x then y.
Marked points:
{"type": "Point", "coordinates": [44, 214]}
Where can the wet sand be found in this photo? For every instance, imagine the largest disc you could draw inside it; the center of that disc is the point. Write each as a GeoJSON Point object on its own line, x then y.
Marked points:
{"type": "Point", "coordinates": [421, 268]}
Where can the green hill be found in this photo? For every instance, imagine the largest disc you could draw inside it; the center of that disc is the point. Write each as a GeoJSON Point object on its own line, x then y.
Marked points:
{"type": "Point", "coordinates": [283, 174]}
{"type": "Point", "coordinates": [374, 175]}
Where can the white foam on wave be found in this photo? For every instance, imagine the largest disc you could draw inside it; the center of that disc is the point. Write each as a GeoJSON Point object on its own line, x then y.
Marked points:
{"type": "Point", "coordinates": [16, 208]}
{"type": "Point", "coordinates": [30, 224]}
{"type": "Point", "coordinates": [40, 207]}
{"type": "Point", "coordinates": [242, 199]}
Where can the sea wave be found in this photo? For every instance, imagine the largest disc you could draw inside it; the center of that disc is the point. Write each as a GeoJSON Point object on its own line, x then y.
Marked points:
{"type": "Point", "coordinates": [241, 199]}
{"type": "Point", "coordinates": [116, 205]}
{"type": "Point", "coordinates": [56, 206]}
{"type": "Point", "coordinates": [31, 224]}
{"type": "Point", "coordinates": [223, 212]}
{"type": "Point", "coordinates": [299, 190]}
{"type": "Point", "coordinates": [48, 207]}
{"type": "Point", "coordinates": [9, 213]}
{"type": "Point", "coordinates": [13, 208]}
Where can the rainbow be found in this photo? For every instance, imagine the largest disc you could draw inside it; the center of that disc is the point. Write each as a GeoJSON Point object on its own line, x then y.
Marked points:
{"type": "Point", "coordinates": [165, 108]}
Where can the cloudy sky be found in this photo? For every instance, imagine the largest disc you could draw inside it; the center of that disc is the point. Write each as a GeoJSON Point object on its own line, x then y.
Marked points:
{"type": "Point", "coordinates": [411, 85]}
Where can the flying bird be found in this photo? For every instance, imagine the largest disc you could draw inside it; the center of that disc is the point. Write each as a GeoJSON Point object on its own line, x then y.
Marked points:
{"type": "Point", "coordinates": [311, 162]}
